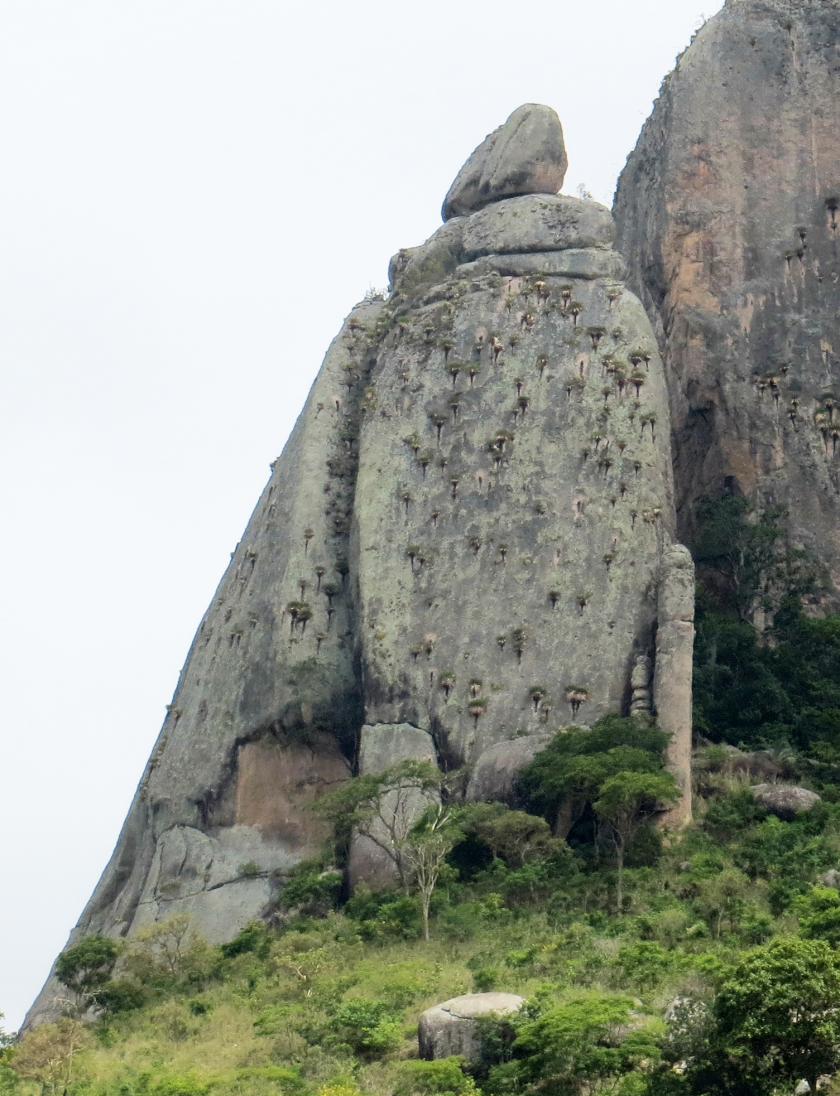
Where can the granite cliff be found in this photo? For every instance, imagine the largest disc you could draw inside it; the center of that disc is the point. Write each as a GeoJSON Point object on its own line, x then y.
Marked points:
{"type": "Point", "coordinates": [727, 213]}
{"type": "Point", "coordinates": [467, 542]}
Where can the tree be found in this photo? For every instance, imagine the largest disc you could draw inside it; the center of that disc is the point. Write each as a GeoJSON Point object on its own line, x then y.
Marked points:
{"type": "Point", "coordinates": [85, 968]}
{"type": "Point", "coordinates": [171, 947]}
{"type": "Point", "coordinates": [777, 1013]}
{"type": "Point", "coordinates": [569, 772]}
{"type": "Point", "coordinates": [46, 1055]}
{"type": "Point", "coordinates": [624, 803]}
{"type": "Point", "coordinates": [428, 845]}
{"type": "Point", "coordinates": [385, 807]}
{"type": "Point", "coordinates": [819, 915]}
{"type": "Point", "coordinates": [583, 1044]}
{"type": "Point", "coordinates": [724, 896]}
{"type": "Point", "coordinates": [740, 543]}
{"type": "Point", "coordinates": [512, 836]}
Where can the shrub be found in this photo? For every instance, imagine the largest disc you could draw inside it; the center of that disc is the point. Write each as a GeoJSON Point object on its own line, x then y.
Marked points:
{"type": "Point", "coordinates": [445, 1077]}
{"type": "Point", "coordinates": [311, 889]}
{"type": "Point", "coordinates": [253, 938]}
{"type": "Point", "coordinates": [371, 1028]}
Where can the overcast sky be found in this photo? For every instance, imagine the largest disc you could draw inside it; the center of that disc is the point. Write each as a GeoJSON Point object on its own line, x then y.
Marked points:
{"type": "Point", "coordinates": [193, 194]}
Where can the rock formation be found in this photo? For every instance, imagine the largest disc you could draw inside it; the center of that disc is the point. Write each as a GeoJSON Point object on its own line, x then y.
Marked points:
{"type": "Point", "coordinates": [727, 213]}
{"type": "Point", "coordinates": [527, 155]}
{"type": "Point", "coordinates": [450, 1028]}
{"type": "Point", "coordinates": [467, 542]}
{"type": "Point", "coordinates": [786, 801]}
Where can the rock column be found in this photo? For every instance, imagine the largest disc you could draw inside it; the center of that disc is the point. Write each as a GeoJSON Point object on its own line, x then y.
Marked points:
{"type": "Point", "coordinates": [672, 674]}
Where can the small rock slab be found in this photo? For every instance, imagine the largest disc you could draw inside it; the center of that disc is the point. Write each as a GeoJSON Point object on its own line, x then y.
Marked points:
{"type": "Point", "coordinates": [449, 1028]}
{"type": "Point", "coordinates": [526, 155]}
{"type": "Point", "coordinates": [537, 222]}
{"type": "Point", "coordinates": [784, 800]}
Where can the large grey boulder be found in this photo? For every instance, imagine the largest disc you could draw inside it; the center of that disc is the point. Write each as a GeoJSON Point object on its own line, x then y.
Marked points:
{"type": "Point", "coordinates": [537, 222]}
{"type": "Point", "coordinates": [784, 800]}
{"type": "Point", "coordinates": [450, 1028]}
{"type": "Point", "coordinates": [526, 155]}
{"type": "Point", "coordinates": [495, 775]}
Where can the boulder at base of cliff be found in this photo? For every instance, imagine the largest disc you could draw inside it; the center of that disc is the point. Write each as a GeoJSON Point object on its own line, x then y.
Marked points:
{"type": "Point", "coordinates": [784, 800]}
{"type": "Point", "coordinates": [450, 1028]}
{"type": "Point", "coordinates": [495, 776]}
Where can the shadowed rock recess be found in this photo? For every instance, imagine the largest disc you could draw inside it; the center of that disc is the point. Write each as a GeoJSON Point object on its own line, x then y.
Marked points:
{"type": "Point", "coordinates": [729, 214]}
{"type": "Point", "coordinates": [467, 542]}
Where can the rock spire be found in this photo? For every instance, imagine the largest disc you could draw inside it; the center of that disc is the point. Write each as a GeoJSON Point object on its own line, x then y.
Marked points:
{"type": "Point", "coordinates": [467, 542]}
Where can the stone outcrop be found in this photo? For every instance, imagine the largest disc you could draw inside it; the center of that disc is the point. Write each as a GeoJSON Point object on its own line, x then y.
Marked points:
{"type": "Point", "coordinates": [450, 1028]}
{"type": "Point", "coordinates": [467, 542]}
{"type": "Point", "coordinates": [727, 214]}
{"type": "Point", "coordinates": [495, 775]}
{"type": "Point", "coordinates": [526, 155]}
{"type": "Point", "coordinates": [786, 801]}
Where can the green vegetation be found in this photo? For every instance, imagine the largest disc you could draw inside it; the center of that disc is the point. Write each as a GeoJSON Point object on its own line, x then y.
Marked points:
{"type": "Point", "coordinates": [703, 963]}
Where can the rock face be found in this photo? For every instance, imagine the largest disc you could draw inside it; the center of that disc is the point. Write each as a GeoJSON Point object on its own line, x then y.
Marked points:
{"type": "Point", "coordinates": [495, 775]}
{"type": "Point", "coordinates": [450, 1028]}
{"type": "Point", "coordinates": [527, 155]}
{"type": "Point", "coordinates": [727, 214]}
{"type": "Point", "coordinates": [467, 542]}
{"type": "Point", "coordinates": [786, 801]}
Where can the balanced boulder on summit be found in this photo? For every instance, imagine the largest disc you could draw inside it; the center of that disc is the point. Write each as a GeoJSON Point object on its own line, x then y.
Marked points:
{"type": "Point", "coordinates": [527, 155]}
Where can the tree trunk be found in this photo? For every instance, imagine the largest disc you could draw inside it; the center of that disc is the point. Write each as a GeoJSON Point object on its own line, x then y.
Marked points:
{"type": "Point", "coordinates": [619, 894]}
{"type": "Point", "coordinates": [426, 901]}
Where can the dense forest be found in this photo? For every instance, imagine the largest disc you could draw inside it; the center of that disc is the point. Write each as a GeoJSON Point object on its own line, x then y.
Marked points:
{"type": "Point", "coordinates": [651, 963]}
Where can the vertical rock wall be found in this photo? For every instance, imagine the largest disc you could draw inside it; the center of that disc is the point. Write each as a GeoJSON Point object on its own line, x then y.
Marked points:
{"type": "Point", "coordinates": [514, 501]}
{"type": "Point", "coordinates": [727, 213]}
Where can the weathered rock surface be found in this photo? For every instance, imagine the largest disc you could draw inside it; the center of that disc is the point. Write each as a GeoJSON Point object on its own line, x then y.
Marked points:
{"type": "Point", "coordinates": [450, 1028]}
{"type": "Point", "coordinates": [536, 222]}
{"type": "Point", "coordinates": [831, 878]}
{"type": "Point", "coordinates": [467, 542]}
{"type": "Point", "coordinates": [526, 155]}
{"type": "Point", "coordinates": [513, 508]}
{"type": "Point", "coordinates": [495, 775]}
{"type": "Point", "coordinates": [727, 214]}
{"type": "Point", "coordinates": [784, 800]}
{"type": "Point", "coordinates": [587, 263]}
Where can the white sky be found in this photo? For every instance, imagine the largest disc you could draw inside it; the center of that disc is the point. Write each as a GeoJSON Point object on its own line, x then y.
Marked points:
{"type": "Point", "coordinates": [193, 193]}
